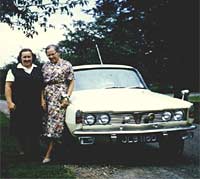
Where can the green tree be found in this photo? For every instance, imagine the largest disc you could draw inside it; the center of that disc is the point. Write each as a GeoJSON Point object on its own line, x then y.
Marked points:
{"type": "Point", "coordinates": [149, 35]}
{"type": "Point", "coordinates": [23, 14]}
{"type": "Point", "coordinates": [114, 30]}
{"type": "Point", "coordinates": [122, 30]}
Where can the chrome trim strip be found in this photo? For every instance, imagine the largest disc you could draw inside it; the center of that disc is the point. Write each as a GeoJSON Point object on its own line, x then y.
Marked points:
{"type": "Point", "coordinates": [135, 131]}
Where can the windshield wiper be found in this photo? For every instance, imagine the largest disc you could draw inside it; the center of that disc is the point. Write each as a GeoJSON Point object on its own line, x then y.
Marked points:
{"type": "Point", "coordinates": [111, 87]}
{"type": "Point", "coordinates": [136, 87]}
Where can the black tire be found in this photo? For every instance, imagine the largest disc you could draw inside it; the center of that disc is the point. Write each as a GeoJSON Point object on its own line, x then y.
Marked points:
{"type": "Point", "coordinates": [68, 140]}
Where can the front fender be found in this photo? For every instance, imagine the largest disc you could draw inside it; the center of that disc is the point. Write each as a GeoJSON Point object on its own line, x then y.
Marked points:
{"type": "Point", "coordinates": [70, 119]}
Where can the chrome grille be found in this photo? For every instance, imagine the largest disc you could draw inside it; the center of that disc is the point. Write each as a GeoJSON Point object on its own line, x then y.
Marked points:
{"type": "Point", "coordinates": [120, 118]}
{"type": "Point", "coordinates": [134, 118]}
{"type": "Point", "coordinates": [137, 117]}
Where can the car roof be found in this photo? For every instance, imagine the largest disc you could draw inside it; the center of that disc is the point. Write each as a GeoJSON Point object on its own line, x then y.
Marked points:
{"type": "Point", "coordinates": [79, 67]}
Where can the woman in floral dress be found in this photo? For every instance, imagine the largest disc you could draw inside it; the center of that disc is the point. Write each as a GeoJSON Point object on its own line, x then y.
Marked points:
{"type": "Point", "coordinates": [59, 80]}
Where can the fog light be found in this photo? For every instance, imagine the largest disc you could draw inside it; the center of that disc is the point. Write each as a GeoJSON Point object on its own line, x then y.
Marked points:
{"type": "Point", "coordinates": [151, 116]}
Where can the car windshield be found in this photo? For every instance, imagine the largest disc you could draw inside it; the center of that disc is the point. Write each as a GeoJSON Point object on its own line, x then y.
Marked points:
{"type": "Point", "coordinates": [105, 78]}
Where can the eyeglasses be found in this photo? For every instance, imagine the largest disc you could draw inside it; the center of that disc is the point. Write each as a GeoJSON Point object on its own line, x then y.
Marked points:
{"type": "Point", "coordinates": [52, 54]}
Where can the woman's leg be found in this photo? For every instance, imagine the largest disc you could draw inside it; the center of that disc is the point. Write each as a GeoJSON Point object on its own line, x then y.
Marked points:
{"type": "Point", "coordinates": [49, 150]}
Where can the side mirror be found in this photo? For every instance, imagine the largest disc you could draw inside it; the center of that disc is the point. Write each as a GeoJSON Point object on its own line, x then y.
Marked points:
{"type": "Point", "coordinates": [185, 94]}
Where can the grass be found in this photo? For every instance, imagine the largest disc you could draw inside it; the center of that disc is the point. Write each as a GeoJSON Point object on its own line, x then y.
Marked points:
{"type": "Point", "coordinates": [14, 166]}
{"type": "Point", "coordinates": [40, 171]}
{"type": "Point", "coordinates": [194, 99]}
{"type": "Point", "coordinates": [4, 121]}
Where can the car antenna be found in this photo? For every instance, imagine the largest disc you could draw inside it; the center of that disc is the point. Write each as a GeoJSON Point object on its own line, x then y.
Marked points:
{"type": "Point", "coordinates": [99, 54]}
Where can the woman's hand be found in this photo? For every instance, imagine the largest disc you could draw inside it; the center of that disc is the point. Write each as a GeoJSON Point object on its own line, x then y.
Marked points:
{"type": "Point", "coordinates": [11, 106]}
{"type": "Point", "coordinates": [44, 105]}
{"type": "Point", "coordinates": [64, 103]}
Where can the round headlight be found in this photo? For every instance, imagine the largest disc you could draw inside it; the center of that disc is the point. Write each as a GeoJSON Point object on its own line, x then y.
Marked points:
{"type": "Point", "coordinates": [166, 116]}
{"type": "Point", "coordinates": [104, 119]}
{"type": "Point", "coordinates": [178, 115]}
{"type": "Point", "coordinates": [89, 119]}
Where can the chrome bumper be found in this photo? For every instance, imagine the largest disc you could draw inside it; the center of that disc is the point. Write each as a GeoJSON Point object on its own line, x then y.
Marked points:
{"type": "Point", "coordinates": [121, 131]}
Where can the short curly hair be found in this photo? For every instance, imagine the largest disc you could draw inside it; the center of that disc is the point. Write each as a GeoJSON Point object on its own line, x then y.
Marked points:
{"type": "Point", "coordinates": [55, 47]}
{"type": "Point", "coordinates": [26, 50]}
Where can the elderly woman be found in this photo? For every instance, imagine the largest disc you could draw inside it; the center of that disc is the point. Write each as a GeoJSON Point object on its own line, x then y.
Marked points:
{"type": "Point", "coordinates": [59, 80]}
{"type": "Point", "coordinates": [23, 91]}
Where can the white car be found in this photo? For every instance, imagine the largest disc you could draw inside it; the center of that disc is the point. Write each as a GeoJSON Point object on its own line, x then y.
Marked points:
{"type": "Point", "coordinates": [112, 104]}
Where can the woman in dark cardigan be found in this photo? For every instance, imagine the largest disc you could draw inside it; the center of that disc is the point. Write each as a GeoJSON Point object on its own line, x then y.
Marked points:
{"type": "Point", "coordinates": [23, 91]}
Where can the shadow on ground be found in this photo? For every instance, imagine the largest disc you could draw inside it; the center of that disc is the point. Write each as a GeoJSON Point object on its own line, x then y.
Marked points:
{"type": "Point", "coordinates": [128, 155]}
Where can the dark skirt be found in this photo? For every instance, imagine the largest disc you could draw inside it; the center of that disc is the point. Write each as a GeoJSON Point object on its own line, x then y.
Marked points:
{"type": "Point", "coordinates": [26, 122]}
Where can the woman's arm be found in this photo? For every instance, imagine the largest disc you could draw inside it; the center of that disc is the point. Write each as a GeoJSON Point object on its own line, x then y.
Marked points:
{"type": "Point", "coordinates": [8, 94]}
{"type": "Point", "coordinates": [43, 101]}
{"type": "Point", "coordinates": [70, 88]}
{"type": "Point", "coordinates": [66, 101]}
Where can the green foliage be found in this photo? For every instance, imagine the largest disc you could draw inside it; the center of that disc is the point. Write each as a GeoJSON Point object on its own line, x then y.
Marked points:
{"type": "Point", "coordinates": [23, 14]}
{"type": "Point", "coordinates": [143, 34]}
{"type": "Point", "coordinates": [4, 121]}
{"type": "Point", "coordinates": [120, 30]}
{"type": "Point", "coordinates": [79, 46]}
{"type": "Point", "coordinates": [195, 99]}
{"type": "Point", "coordinates": [136, 33]}
{"type": "Point", "coordinates": [3, 72]}
{"type": "Point", "coordinates": [40, 171]}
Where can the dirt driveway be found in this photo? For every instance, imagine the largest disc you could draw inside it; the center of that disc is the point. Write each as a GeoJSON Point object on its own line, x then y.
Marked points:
{"type": "Point", "coordinates": [135, 162]}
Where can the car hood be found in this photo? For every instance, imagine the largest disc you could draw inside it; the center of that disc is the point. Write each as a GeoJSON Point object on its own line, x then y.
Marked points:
{"type": "Point", "coordinates": [125, 100]}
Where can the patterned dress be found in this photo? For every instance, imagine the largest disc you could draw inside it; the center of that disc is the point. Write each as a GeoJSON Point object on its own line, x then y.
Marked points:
{"type": "Point", "coordinates": [56, 77]}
